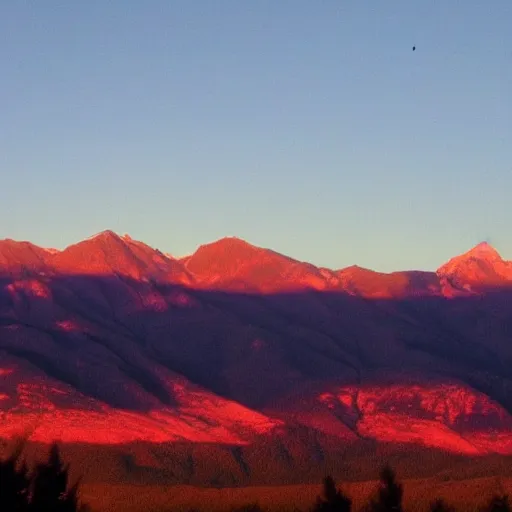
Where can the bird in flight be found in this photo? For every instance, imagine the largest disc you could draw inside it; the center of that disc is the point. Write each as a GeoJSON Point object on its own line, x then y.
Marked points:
{"type": "Point", "coordinates": [414, 48]}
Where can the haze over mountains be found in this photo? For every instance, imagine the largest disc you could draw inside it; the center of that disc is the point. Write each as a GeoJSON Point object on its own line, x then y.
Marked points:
{"type": "Point", "coordinates": [239, 348]}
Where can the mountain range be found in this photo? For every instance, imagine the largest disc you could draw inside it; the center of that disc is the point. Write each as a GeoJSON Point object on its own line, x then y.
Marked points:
{"type": "Point", "coordinates": [237, 354]}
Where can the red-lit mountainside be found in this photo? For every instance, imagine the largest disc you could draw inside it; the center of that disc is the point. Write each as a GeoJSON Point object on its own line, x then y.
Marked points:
{"type": "Point", "coordinates": [110, 342]}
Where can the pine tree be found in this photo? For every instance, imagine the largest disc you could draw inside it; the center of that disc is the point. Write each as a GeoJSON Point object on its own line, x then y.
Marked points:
{"type": "Point", "coordinates": [50, 486]}
{"type": "Point", "coordinates": [498, 503]}
{"type": "Point", "coordinates": [45, 489]}
{"type": "Point", "coordinates": [14, 482]}
{"type": "Point", "coordinates": [333, 500]}
{"type": "Point", "coordinates": [390, 493]}
{"type": "Point", "coordinates": [440, 506]}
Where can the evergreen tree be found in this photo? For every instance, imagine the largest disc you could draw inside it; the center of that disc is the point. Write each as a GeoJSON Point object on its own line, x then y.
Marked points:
{"type": "Point", "coordinates": [440, 506]}
{"type": "Point", "coordinates": [14, 482]}
{"type": "Point", "coordinates": [43, 490]}
{"type": "Point", "coordinates": [389, 495]}
{"type": "Point", "coordinates": [498, 503]}
{"type": "Point", "coordinates": [49, 490]}
{"type": "Point", "coordinates": [333, 500]}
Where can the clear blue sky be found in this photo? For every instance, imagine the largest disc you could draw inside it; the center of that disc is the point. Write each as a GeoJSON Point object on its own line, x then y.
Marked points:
{"type": "Point", "coordinates": [308, 127]}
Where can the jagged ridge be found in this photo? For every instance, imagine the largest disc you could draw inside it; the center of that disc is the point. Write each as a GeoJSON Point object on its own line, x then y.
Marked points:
{"type": "Point", "coordinates": [111, 341]}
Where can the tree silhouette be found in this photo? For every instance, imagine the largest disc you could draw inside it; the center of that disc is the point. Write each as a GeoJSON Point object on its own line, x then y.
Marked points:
{"type": "Point", "coordinates": [49, 490]}
{"type": "Point", "coordinates": [45, 489]}
{"type": "Point", "coordinates": [14, 482]}
{"type": "Point", "coordinates": [389, 495]}
{"type": "Point", "coordinates": [498, 503]}
{"type": "Point", "coordinates": [333, 500]}
{"type": "Point", "coordinates": [439, 505]}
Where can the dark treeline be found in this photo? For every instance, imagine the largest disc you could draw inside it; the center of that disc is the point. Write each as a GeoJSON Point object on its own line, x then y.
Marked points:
{"type": "Point", "coordinates": [46, 488]}
{"type": "Point", "coordinates": [387, 498]}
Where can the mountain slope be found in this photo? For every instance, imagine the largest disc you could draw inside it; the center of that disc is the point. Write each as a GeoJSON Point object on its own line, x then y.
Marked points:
{"type": "Point", "coordinates": [108, 254]}
{"type": "Point", "coordinates": [367, 283]}
{"type": "Point", "coordinates": [21, 257]}
{"type": "Point", "coordinates": [233, 264]}
{"type": "Point", "coordinates": [110, 341]}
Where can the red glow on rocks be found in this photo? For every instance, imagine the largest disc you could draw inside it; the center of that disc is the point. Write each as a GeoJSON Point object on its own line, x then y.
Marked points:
{"type": "Point", "coordinates": [113, 304]}
{"type": "Point", "coordinates": [447, 416]}
{"type": "Point", "coordinates": [68, 325]}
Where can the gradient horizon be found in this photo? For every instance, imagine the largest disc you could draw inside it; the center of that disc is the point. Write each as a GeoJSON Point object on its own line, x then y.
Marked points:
{"type": "Point", "coordinates": [313, 130]}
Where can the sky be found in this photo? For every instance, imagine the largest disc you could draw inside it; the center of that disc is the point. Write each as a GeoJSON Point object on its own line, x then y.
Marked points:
{"type": "Point", "coordinates": [308, 127]}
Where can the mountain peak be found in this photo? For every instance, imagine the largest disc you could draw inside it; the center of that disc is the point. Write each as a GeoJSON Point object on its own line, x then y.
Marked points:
{"type": "Point", "coordinates": [15, 255]}
{"type": "Point", "coordinates": [231, 241]}
{"type": "Point", "coordinates": [107, 234]}
{"type": "Point", "coordinates": [483, 250]}
{"type": "Point", "coordinates": [228, 247]}
{"type": "Point", "coordinates": [219, 255]}
{"type": "Point", "coordinates": [480, 266]}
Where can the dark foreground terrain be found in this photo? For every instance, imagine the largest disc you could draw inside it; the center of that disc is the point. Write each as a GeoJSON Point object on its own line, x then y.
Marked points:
{"type": "Point", "coordinates": [466, 495]}
{"type": "Point", "coordinates": [111, 481]}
